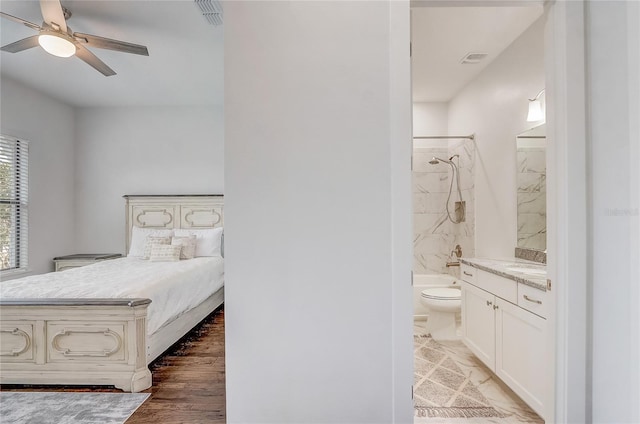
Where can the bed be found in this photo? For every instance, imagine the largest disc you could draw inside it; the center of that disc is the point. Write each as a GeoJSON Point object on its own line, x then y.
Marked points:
{"type": "Point", "coordinates": [103, 324]}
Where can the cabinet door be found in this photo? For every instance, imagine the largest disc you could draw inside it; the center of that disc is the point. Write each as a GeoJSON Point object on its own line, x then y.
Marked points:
{"type": "Point", "coordinates": [520, 353]}
{"type": "Point", "coordinates": [478, 323]}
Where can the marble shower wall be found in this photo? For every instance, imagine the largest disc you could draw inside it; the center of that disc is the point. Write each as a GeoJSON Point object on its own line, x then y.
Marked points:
{"type": "Point", "coordinates": [464, 233]}
{"type": "Point", "coordinates": [532, 202]}
{"type": "Point", "coordinates": [433, 239]}
{"type": "Point", "coordinates": [434, 235]}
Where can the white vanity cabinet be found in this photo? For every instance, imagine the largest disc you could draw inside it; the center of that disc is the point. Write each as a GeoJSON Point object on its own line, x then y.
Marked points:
{"type": "Point", "coordinates": [520, 353]}
{"type": "Point", "coordinates": [478, 323]}
{"type": "Point", "coordinates": [507, 338]}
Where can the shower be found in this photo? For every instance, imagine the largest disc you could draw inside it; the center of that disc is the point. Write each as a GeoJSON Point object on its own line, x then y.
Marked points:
{"type": "Point", "coordinates": [455, 174]}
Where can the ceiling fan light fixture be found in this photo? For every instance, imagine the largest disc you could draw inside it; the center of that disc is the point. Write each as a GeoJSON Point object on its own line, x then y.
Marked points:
{"type": "Point", "coordinates": [57, 45]}
{"type": "Point", "coordinates": [57, 39]}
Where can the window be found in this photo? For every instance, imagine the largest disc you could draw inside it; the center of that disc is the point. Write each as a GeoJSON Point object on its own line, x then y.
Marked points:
{"type": "Point", "coordinates": [14, 195]}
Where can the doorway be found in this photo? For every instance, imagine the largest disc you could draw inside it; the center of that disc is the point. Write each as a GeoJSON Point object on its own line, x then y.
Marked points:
{"type": "Point", "coordinates": [474, 70]}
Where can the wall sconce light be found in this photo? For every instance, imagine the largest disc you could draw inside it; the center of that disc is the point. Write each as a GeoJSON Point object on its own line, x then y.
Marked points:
{"type": "Point", "coordinates": [535, 108]}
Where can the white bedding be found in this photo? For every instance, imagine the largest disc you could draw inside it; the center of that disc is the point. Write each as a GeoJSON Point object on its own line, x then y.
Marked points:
{"type": "Point", "coordinates": [173, 287]}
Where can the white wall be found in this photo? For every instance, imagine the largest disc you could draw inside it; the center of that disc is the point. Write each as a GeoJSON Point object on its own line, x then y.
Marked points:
{"type": "Point", "coordinates": [566, 214]}
{"type": "Point", "coordinates": [48, 125]}
{"type": "Point", "coordinates": [141, 150]}
{"type": "Point", "coordinates": [308, 226]}
{"type": "Point", "coordinates": [613, 60]}
{"type": "Point", "coordinates": [430, 118]}
{"type": "Point", "coordinates": [400, 148]}
{"type": "Point", "coordinates": [494, 107]}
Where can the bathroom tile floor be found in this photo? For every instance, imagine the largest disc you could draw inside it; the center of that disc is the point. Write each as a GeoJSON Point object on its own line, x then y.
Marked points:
{"type": "Point", "coordinates": [449, 378]}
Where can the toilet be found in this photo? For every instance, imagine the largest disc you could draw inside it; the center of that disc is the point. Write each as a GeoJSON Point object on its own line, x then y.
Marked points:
{"type": "Point", "coordinates": [443, 303]}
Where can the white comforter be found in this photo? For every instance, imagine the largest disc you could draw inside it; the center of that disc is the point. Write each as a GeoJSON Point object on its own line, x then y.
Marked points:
{"type": "Point", "coordinates": [173, 287]}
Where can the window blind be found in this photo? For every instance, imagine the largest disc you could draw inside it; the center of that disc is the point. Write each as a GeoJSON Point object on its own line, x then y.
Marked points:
{"type": "Point", "coordinates": [14, 204]}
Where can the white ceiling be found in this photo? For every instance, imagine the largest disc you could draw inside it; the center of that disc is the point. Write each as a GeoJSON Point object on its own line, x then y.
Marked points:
{"type": "Point", "coordinates": [442, 36]}
{"type": "Point", "coordinates": [184, 67]}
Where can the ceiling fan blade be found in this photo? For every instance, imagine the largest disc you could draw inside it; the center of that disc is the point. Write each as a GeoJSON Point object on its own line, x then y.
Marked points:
{"type": "Point", "coordinates": [108, 43]}
{"type": "Point", "coordinates": [20, 21]}
{"type": "Point", "coordinates": [52, 13]}
{"type": "Point", "coordinates": [93, 60]}
{"type": "Point", "coordinates": [24, 44]}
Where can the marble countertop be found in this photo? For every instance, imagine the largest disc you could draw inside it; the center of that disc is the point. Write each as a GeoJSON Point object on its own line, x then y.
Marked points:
{"type": "Point", "coordinates": [529, 273]}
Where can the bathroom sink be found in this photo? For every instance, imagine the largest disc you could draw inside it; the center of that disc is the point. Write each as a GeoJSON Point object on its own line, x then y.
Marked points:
{"type": "Point", "coordinates": [527, 270]}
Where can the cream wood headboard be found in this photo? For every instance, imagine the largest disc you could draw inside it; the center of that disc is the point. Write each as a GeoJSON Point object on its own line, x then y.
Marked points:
{"type": "Point", "coordinates": [179, 211]}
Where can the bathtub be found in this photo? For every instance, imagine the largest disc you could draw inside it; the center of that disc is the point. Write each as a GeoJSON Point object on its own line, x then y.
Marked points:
{"type": "Point", "coordinates": [424, 281]}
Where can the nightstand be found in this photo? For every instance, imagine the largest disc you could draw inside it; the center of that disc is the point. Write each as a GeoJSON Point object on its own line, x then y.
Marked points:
{"type": "Point", "coordinates": [82, 259]}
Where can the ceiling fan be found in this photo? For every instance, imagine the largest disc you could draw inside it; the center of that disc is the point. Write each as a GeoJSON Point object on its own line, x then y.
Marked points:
{"type": "Point", "coordinates": [55, 37]}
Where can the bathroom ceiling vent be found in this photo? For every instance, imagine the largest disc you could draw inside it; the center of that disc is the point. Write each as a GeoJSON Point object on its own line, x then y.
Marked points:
{"type": "Point", "coordinates": [473, 58]}
{"type": "Point", "coordinates": [211, 10]}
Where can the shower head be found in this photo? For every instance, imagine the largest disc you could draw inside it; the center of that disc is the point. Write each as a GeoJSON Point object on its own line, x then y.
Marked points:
{"type": "Point", "coordinates": [435, 160]}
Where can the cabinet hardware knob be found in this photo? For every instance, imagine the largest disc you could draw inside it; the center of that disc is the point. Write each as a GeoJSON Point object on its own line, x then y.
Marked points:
{"type": "Point", "coordinates": [495, 307]}
{"type": "Point", "coordinates": [539, 302]}
{"type": "Point", "coordinates": [489, 303]}
{"type": "Point", "coordinates": [467, 273]}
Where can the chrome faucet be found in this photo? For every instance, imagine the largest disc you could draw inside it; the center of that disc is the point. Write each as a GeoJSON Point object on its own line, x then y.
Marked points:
{"type": "Point", "coordinates": [455, 253]}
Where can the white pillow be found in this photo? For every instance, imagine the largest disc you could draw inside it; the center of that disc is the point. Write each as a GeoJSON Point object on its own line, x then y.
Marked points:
{"type": "Point", "coordinates": [188, 246]}
{"type": "Point", "coordinates": [208, 240]}
{"type": "Point", "coordinates": [165, 253]}
{"type": "Point", "coordinates": [151, 240]}
{"type": "Point", "coordinates": [139, 237]}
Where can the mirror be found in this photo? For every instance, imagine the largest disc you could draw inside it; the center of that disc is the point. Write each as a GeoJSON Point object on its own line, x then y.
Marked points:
{"type": "Point", "coordinates": [532, 192]}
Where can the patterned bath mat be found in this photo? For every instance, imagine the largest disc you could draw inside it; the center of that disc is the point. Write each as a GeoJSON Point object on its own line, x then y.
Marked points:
{"type": "Point", "coordinates": [441, 389]}
{"type": "Point", "coordinates": [68, 408]}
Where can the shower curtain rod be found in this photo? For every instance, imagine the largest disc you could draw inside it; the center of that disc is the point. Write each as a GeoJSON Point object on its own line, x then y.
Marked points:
{"type": "Point", "coordinates": [433, 137]}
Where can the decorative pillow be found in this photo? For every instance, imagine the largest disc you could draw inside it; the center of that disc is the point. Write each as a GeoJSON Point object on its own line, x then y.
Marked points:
{"type": "Point", "coordinates": [165, 253]}
{"type": "Point", "coordinates": [208, 240]}
{"type": "Point", "coordinates": [188, 244]}
{"type": "Point", "coordinates": [150, 241]}
{"type": "Point", "coordinates": [139, 238]}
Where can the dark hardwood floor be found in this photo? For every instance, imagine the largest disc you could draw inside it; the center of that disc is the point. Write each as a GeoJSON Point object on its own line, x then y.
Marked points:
{"type": "Point", "coordinates": [188, 380]}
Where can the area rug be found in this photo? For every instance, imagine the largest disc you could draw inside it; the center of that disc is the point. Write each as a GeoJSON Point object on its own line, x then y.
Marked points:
{"type": "Point", "coordinates": [68, 408]}
{"type": "Point", "coordinates": [441, 389]}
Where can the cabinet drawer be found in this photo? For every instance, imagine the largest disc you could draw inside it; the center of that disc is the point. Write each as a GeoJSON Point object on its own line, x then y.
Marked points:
{"type": "Point", "coordinates": [500, 286]}
{"type": "Point", "coordinates": [533, 300]}
{"type": "Point", "coordinates": [468, 273]}
{"type": "Point", "coordinates": [61, 265]}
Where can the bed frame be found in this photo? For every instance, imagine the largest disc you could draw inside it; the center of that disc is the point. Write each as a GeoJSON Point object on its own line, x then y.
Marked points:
{"type": "Point", "coordinates": [102, 341]}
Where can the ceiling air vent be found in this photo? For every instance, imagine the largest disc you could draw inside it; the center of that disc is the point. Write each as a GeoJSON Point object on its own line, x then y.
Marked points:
{"type": "Point", "coordinates": [211, 10]}
{"type": "Point", "coordinates": [473, 58]}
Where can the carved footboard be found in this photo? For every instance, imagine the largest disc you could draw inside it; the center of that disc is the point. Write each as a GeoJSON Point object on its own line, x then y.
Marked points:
{"type": "Point", "coordinates": [75, 341]}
